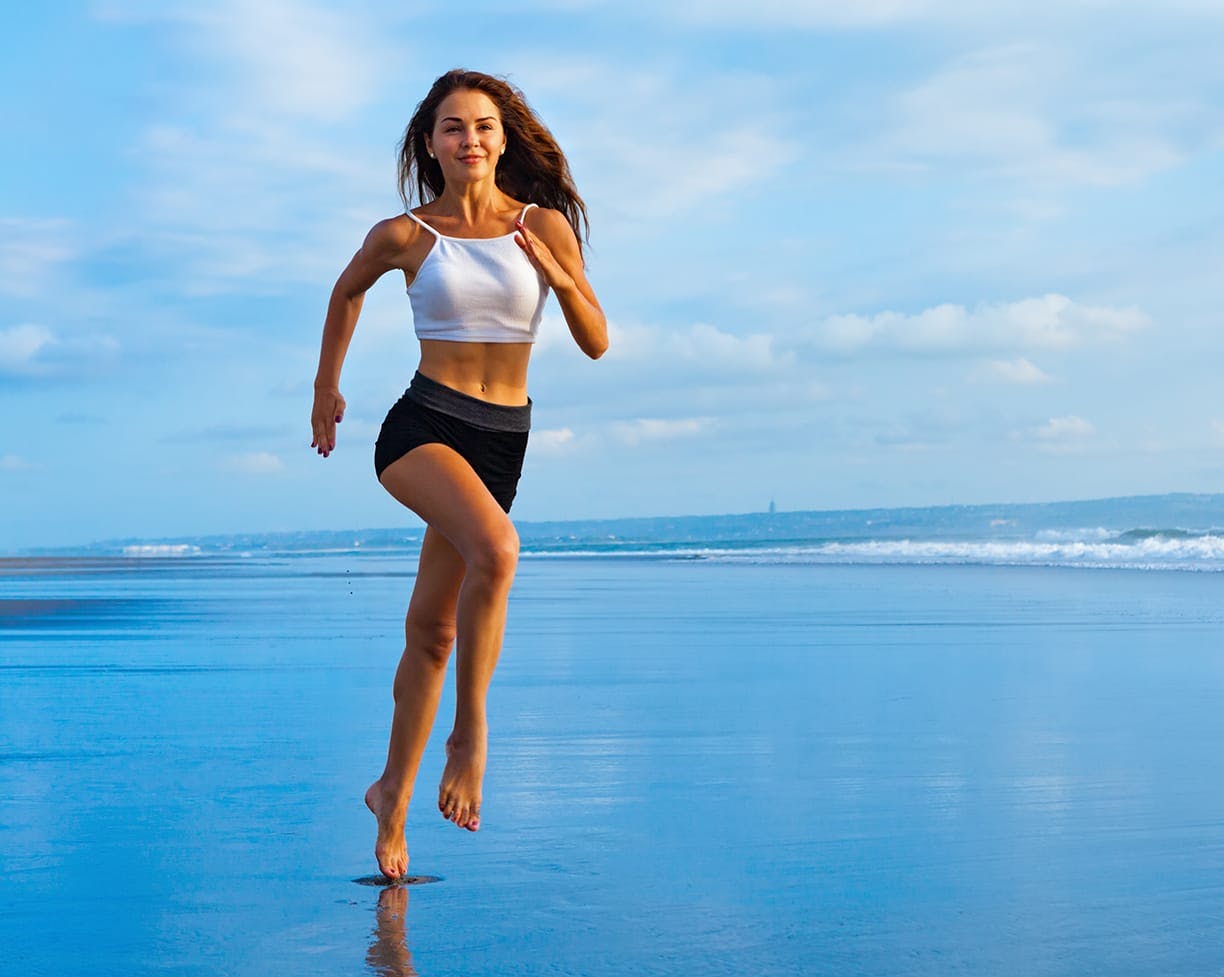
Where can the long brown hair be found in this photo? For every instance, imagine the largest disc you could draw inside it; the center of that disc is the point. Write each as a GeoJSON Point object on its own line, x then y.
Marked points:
{"type": "Point", "coordinates": [533, 168]}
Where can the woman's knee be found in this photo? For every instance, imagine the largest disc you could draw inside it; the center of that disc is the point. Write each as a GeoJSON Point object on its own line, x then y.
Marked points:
{"type": "Point", "coordinates": [430, 639]}
{"type": "Point", "coordinates": [494, 557]}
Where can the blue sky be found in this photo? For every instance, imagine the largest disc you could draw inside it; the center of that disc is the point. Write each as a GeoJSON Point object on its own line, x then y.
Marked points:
{"type": "Point", "coordinates": [886, 253]}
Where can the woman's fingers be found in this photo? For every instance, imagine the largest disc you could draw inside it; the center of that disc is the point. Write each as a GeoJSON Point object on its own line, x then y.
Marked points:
{"type": "Point", "coordinates": [324, 434]}
{"type": "Point", "coordinates": [529, 241]}
{"type": "Point", "coordinates": [324, 440]}
{"type": "Point", "coordinates": [328, 412]}
{"type": "Point", "coordinates": [521, 238]}
{"type": "Point", "coordinates": [538, 254]}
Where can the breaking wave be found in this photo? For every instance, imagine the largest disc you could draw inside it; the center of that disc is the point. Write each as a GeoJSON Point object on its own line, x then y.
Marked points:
{"type": "Point", "coordinates": [1135, 549]}
{"type": "Point", "coordinates": [161, 549]}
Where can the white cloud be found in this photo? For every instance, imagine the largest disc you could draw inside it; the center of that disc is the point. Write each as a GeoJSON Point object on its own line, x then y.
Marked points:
{"type": "Point", "coordinates": [1021, 112]}
{"type": "Point", "coordinates": [1021, 372]}
{"type": "Point", "coordinates": [20, 346]}
{"type": "Point", "coordinates": [923, 429]}
{"type": "Point", "coordinates": [356, 431]}
{"type": "Point", "coordinates": [709, 344]}
{"type": "Point", "coordinates": [254, 463]}
{"type": "Point", "coordinates": [1049, 322]}
{"type": "Point", "coordinates": [668, 142]}
{"type": "Point", "coordinates": [257, 118]}
{"type": "Point", "coordinates": [772, 15]}
{"type": "Point", "coordinates": [31, 250]}
{"type": "Point", "coordinates": [283, 57]}
{"type": "Point", "coordinates": [656, 429]}
{"type": "Point", "coordinates": [15, 463]}
{"type": "Point", "coordinates": [1064, 428]}
{"type": "Point", "coordinates": [553, 442]}
{"type": "Point", "coordinates": [219, 200]}
{"type": "Point", "coordinates": [804, 13]}
{"type": "Point", "coordinates": [793, 14]}
{"type": "Point", "coordinates": [700, 344]}
{"type": "Point", "coordinates": [32, 350]}
{"type": "Point", "coordinates": [1067, 435]}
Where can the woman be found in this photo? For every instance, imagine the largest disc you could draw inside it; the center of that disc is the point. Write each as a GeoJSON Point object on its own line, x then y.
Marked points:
{"type": "Point", "coordinates": [497, 229]}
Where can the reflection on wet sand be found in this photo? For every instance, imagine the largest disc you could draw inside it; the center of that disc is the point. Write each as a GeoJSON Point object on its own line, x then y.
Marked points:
{"type": "Point", "coordinates": [389, 955]}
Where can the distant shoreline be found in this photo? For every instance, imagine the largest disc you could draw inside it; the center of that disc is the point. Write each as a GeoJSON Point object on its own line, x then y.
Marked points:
{"type": "Point", "coordinates": [1126, 519]}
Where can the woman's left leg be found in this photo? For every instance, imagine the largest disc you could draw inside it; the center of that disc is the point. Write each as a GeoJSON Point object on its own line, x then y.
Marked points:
{"type": "Point", "coordinates": [429, 635]}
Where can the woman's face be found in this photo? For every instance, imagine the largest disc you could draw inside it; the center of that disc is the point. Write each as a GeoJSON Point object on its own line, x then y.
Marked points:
{"type": "Point", "coordinates": [467, 138]}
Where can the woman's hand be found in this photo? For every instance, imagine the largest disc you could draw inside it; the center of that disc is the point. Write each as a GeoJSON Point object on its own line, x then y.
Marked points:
{"type": "Point", "coordinates": [542, 259]}
{"type": "Point", "coordinates": [559, 263]}
{"type": "Point", "coordinates": [327, 413]}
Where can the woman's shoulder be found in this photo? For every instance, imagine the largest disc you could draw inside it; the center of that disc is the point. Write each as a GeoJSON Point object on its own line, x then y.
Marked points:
{"type": "Point", "coordinates": [392, 235]}
{"type": "Point", "coordinates": [545, 221]}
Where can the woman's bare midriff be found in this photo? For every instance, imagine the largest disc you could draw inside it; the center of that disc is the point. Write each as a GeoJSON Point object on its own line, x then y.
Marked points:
{"type": "Point", "coordinates": [496, 372]}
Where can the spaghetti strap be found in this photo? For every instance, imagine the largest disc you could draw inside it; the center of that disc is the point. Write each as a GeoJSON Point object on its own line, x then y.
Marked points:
{"type": "Point", "coordinates": [422, 223]}
{"type": "Point", "coordinates": [525, 209]}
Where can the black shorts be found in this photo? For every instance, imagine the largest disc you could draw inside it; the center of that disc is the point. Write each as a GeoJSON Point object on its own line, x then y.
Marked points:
{"type": "Point", "coordinates": [491, 438]}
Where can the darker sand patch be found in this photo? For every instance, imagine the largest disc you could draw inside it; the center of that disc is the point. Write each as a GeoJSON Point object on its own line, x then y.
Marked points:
{"type": "Point", "coordinates": [382, 881]}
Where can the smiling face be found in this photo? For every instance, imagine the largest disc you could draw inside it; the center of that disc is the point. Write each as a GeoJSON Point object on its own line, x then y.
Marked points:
{"type": "Point", "coordinates": [467, 138]}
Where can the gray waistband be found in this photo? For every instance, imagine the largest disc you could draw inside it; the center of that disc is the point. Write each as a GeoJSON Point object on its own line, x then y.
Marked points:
{"type": "Point", "coordinates": [477, 412]}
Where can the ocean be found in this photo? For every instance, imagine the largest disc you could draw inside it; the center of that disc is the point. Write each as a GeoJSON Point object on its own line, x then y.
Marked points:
{"type": "Point", "coordinates": [967, 740]}
{"type": "Point", "coordinates": [1146, 533]}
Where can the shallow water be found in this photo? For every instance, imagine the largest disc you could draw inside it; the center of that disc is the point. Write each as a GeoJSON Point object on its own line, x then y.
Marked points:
{"type": "Point", "coordinates": [695, 768]}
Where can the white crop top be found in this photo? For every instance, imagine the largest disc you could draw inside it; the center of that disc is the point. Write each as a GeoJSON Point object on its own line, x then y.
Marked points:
{"type": "Point", "coordinates": [476, 290]}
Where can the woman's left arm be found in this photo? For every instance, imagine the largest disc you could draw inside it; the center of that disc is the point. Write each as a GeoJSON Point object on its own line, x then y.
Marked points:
{"type": "Point", "coordinates": [553, 249]}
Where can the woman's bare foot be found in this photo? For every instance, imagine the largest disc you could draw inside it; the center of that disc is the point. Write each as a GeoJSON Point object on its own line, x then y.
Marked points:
{"type": "Point", "coordinates": [459, 792]}
{"type": "Point", "coordinates": [390, 849]}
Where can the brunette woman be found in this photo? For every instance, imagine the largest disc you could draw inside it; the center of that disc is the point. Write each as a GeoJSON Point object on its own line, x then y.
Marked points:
{"type": "Point", "coordinates": [497, 228]}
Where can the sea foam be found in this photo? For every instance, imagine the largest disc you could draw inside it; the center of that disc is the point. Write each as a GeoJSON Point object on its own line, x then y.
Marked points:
{"type": "Point", "coordinates": [1092, 548]}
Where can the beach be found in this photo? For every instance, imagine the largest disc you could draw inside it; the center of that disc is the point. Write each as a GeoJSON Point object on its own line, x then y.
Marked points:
{"type": "Point", "coordinates": [696, 766]}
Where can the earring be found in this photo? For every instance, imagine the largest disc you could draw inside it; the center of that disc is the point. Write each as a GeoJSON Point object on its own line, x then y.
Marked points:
{"type": "Point", "coordinates": [432, 156]}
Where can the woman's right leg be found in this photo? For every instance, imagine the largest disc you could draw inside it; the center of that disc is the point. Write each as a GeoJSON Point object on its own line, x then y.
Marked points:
{"type": "Point", "coordinates": [441, 487]}
{"type": "Point", "coordinates": [429, 635]}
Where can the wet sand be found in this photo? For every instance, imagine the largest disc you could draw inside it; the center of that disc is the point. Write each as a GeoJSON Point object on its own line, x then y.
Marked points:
{"type": "Point", "coordinates": [695, 768]}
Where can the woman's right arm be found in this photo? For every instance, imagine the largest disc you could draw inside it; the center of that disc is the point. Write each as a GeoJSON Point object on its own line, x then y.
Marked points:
{"type": "Point", "coordinates": [383, 250]}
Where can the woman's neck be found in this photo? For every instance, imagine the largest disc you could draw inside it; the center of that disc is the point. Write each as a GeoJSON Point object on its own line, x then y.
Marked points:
{"type": "Point", "coordinates": [472, 202]}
